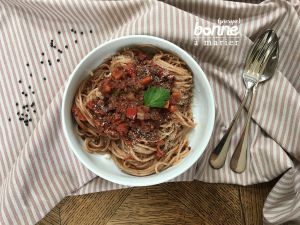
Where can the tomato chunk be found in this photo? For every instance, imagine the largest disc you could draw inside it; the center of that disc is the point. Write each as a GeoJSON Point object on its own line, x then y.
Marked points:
{"type": "Point", "coordinates": [122, 129]}
{"type": "Point", "coordinates": [175, 97]}
{"type": "Point", "coordinates": [90, 104]}
{"type": "Point", "coordinates": [76, 112]}
{"type": "Point", "coordinates": [146, 80]}
{"type": "Point", "coordinates": [130, 69]}
{"type": "Point", "coordinates": [131, 112]}
{"type": "Point", "coordinates": [117, 73]}
{"type": "Point", "coordinates": [172, 108]}
{"type": "Point", "coordinates": [106, 87]}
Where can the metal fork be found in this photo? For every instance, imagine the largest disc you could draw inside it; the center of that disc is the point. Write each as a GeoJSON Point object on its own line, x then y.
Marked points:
{"type": "Point", "coordinates": [264, 68]}
{"type": "Point", "coordinates": [218, 156]}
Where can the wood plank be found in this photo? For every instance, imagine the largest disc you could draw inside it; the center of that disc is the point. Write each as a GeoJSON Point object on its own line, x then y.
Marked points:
{"type": "Point", "coordinates": [252, 199]}
{"type": "Point", "coordinates": [52, 218]}
{"type": "Point", "coordinates": [171, 203]}
{"type": "Point", "coordinates": [153, 205]}
{"type": "Point", "coordinates": [213, 203]}
{"type": "Point", "coordinates": [92, 209]}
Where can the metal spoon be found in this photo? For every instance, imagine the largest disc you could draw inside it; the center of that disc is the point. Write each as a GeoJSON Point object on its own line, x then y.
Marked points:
{"type": "Point", "coordinates": [218, 156]}
{"type": "Point", "coordinates": [265, 69]}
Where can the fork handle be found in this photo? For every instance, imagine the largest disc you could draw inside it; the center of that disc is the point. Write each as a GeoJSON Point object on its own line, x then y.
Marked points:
{"type": "Point", "coordinates": [218, 155]}
{"type": "Point", "coordinates": [239, 158]}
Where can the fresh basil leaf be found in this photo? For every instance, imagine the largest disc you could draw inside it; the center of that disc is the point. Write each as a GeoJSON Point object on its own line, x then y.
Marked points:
{"type": "Point", "coordinates": [156, 97]}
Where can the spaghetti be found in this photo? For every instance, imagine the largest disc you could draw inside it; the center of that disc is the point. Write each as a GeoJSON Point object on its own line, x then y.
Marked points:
{"type": "Point", "coordinates": [137, 107]}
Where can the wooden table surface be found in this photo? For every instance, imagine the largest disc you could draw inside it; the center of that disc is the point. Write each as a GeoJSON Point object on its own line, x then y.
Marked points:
{"type": "Point", "coordinates": [170, 203]}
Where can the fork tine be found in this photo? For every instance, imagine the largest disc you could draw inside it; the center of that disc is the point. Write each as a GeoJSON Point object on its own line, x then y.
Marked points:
{"type": "Point", "coordinates": [268, 55]}
{"type": "Point", "coordinates": [262, 56]}
{"type": "Point", "coordinates": [253, 55]}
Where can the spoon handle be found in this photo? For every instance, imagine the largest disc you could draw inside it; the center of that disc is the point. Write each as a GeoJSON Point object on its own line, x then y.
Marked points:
{"type": "Point", "coordinates": [239, 158]}
{"type": "Point", "coordinates": [218, 155]}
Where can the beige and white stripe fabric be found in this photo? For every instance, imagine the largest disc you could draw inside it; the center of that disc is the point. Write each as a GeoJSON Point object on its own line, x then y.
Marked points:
{"type": "Point", "coordinates": [41, 41]}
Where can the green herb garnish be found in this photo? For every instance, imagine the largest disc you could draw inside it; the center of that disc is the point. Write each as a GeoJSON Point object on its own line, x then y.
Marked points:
{"type": "Point", "coordinates": [156, 97]}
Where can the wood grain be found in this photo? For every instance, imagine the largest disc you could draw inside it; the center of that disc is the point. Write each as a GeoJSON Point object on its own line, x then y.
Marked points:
{"type": "Point", "coordinates": [153, 205]}
{"type": "Point", "coordinates": [252, 200]}
{"type": "Point", "coordinates": [193, 203]}
{"type": "Point", "coordinates": [92, 208]}
{"type": "Point", "coordinates": [52, 218]}
{"type": "Point", "coordinates": [214, 203]}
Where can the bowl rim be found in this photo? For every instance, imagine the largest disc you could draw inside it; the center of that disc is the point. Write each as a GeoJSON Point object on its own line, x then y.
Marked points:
{"type": "Point", "coordinates": [143, 180]}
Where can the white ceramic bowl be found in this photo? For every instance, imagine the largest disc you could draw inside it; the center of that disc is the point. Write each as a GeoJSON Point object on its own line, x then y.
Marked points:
{"type": "Point", "coordinates": [203, 112]}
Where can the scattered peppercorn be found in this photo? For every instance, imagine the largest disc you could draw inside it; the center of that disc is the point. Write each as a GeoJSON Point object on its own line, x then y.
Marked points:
{"type": "Point", "coordinates": [32, 92]}
{"type": "Point", "coordinates": [58, 32]}
{"type": "Point", "coordinates": [26, 95]}
{"type": "Point", "coordinates": [72, 30]}
{"type": "Point", "coordinates": [17, 104]}
{"type": "Point", "coordinates": [34, 111]}
{"type": "Point", "coordinates": [81, 32]}
{"type": "Point", "coordinates": [29, 87]}
{"type": "Point", "coordinates": [30, 74]}
{"type": "Point", "coordinates": [27, 64]}
{"type": "Point", "coordinates": [42, 62]}
{"type": "Point", "coordinates": [66, 46]}
{"type": "Point", "coordinates": [91, 31]}
{"type": "Point", "coordinates": [43, 53]}
{"type": "Point", "coordinates": [9, 119]}
{"type": "Point", "coordinates": [30, 119]}
{"type": "Point", "coordinates": [44, 78]}
{"type": "Point", "coordinates": [20, 81]}
{"type": "Point", "coordinates": [76, 41]}
{"type": "Point", "coordinates": [58, 60]}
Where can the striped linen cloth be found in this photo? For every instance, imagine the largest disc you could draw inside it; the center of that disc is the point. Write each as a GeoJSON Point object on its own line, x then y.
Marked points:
{"type": "Point", "coordinates": [42, 41]}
